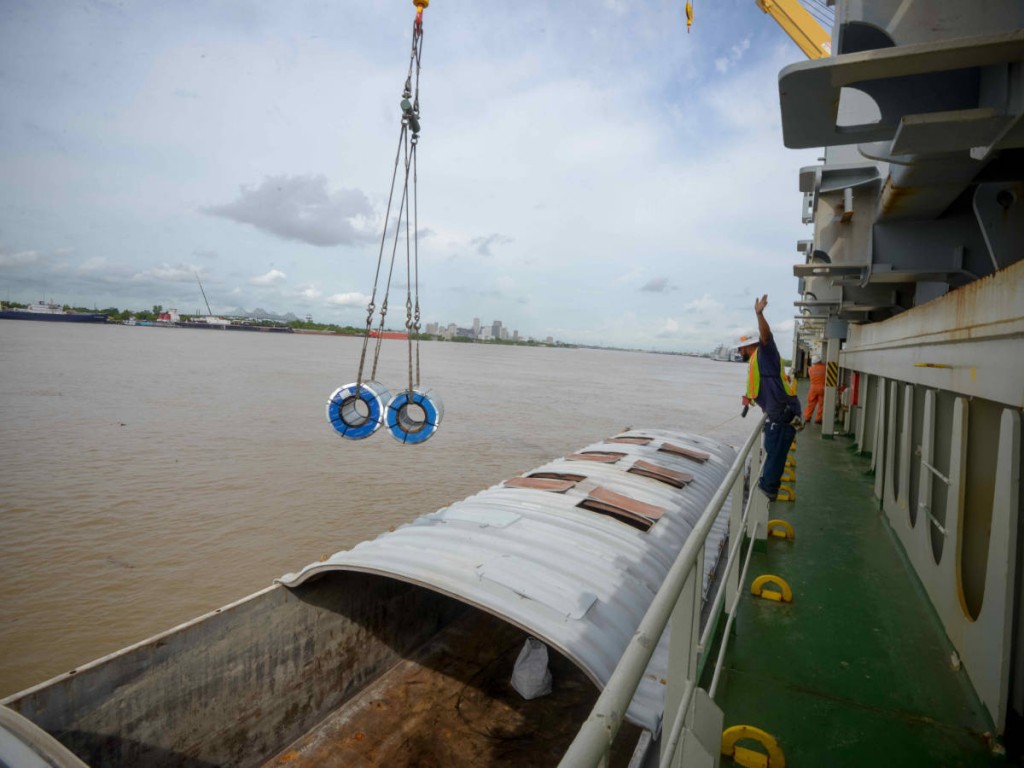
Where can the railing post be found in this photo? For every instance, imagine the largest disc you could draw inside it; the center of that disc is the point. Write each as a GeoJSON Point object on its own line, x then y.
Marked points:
{"type": "Point", "coordinates": [679, 600]}
{"type": "Point", "coordinates": [682, 646]}
{"type": "Point", "coordinates": [736, 532]}
{"type": "Point", "coordinates": [758, 502]}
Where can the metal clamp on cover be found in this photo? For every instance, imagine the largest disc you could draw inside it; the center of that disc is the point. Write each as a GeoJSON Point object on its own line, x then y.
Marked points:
{"type": "Point", "coordinates": [414, 419]}
{"type": "Point", "coordinates": [357, 416]}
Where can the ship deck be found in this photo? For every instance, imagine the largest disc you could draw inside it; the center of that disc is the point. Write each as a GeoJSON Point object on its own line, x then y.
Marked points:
{"type": "Point", "coordinates": [857, 669]}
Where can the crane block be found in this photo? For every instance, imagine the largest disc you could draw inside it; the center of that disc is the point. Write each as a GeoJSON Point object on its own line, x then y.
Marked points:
{"type": "Point", "coordinates": [772, 757]}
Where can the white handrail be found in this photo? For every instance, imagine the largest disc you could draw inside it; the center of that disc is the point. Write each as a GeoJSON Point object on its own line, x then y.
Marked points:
{"type": "Point", "coordinates": [594, 739]}
{"type": "Point", "coordinates": [672, 740]}
{"type": "Point", "coordinates": [716, 606]}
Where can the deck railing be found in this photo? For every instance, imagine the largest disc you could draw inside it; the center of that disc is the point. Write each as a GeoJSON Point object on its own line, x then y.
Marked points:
{"type": "Point", "coordinates": [679, 600]}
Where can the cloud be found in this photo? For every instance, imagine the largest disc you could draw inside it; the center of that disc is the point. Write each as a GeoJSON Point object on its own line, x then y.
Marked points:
{"type": "Point", "coordinates": [308, 292]}
{"type": "Point", "coordinates": [704, 305]}
{"type": "Point", "coordinates": [166, 273]}
{"type": "Point", "coordinates": [272, 277]}
{"type": "Point", "coordinates": [725, 63]}
{"type": "Point", "coordinates": [21, 259]}
{"type": "Point", "coordinates": [483, 244]}
{"type": "Point", "coordinates": [302, 208]}
{"type": "Point", "coordinates": [657, 285]}
{"type": "Point", "coordinates": [353, 299]}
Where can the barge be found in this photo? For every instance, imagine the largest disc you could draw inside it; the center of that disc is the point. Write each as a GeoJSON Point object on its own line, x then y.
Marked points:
{"type": "Point", "coordinates": [400, 651]}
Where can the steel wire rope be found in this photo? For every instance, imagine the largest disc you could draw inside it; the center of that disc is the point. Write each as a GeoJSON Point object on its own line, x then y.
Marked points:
{"type": "Point", "coordinates": [394, 252]}
{"type": "Point", "coordinates": [403, 143]}
{"type": "Point", "coordinates": [415, 206]}
{"type": "Point", "coordinates": [371, 306]}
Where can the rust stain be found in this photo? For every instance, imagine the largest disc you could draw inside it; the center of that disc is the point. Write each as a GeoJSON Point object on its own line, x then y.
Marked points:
{"type": "Point", "coordinates": [895, 198]}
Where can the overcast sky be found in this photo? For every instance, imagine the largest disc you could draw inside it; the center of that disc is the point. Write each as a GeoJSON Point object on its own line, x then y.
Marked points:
{"type": "Point", "coordinates": [587, 170]}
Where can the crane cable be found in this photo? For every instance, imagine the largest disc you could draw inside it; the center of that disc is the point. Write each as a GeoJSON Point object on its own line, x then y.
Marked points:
{"type": "Point", "coordinates": [408, 138]}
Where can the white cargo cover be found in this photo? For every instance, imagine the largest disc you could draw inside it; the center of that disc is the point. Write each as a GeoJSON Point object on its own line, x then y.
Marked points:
{"type": "Point", "coordinates": [575, 578]}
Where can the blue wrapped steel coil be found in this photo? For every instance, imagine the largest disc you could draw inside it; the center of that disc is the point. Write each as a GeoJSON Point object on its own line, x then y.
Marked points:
{"type": "Point", "coordinates": [414, 419]}
{"type": "Point", "coordinates": [355, 417]}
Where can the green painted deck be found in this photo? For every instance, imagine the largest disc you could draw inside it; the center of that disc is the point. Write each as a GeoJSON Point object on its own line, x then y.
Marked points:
{"type": "Point", "coordinates": [856, 671]}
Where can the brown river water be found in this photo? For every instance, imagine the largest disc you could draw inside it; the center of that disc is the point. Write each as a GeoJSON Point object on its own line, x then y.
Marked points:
{"type": "Point", "coordinates": [150, 475]}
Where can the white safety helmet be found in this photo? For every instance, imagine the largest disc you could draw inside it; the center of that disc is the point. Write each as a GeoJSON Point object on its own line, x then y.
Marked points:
{"type": "Point", "coordinates": [815, 359]}
{"type": "Point", "coordinates": [746, 339]}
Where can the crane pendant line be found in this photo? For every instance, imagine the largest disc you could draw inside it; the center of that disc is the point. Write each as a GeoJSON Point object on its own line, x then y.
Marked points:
{"type": "Point", "coordinates": [358, 410]}
{"type": "Point", "coordinates": [410, 118]}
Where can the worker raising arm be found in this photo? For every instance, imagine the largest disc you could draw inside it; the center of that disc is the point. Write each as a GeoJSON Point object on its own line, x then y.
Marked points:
{"type": "Point", "coordinates": [775, 394]}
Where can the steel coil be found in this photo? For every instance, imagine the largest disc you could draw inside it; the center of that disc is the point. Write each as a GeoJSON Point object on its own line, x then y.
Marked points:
{"type": "Point", "coordinates": [414, 418]}
{"type": "Point", "coordinates": [358, 416]}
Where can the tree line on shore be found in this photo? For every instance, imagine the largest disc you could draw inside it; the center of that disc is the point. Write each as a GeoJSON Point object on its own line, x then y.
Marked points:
{"type": "Point", "coordinates": [151, 315]}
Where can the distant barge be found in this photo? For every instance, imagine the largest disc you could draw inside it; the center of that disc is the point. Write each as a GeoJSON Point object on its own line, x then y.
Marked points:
{"type": "Point", "coordinates": [53, 313]}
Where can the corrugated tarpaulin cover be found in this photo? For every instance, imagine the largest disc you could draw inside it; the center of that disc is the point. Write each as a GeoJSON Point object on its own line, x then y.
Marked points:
{"type": "Point", "coordinates": [579, 580]}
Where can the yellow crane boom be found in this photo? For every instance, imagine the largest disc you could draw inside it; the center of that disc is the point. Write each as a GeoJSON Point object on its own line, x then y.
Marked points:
{"type": "Point", "coordinates": [801, 27]}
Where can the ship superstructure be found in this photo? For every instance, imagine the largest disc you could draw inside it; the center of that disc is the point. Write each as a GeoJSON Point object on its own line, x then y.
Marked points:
{"type": "Point", "coordinates": [913, 288]}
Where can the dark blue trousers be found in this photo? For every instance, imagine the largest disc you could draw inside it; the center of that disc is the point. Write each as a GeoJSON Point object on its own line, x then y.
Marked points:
{"type": "Point", "coordinates": [777, 439]}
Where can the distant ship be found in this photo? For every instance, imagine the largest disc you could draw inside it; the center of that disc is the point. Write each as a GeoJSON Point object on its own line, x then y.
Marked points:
{"type": "Point", "coordinates": [42, 310]}
{"type": "Point", "coordinates": [727, 354]}
{"type": "Point", "coordinates": [389, 335]}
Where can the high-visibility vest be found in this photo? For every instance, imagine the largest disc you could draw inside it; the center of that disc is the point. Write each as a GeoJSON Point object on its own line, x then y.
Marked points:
{"type": "Point", "coordinates": [754, 379]}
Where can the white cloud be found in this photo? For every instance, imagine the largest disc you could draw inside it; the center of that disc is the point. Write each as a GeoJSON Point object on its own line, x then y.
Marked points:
{"type": "Point", "coordinates": [95, 264]}
{"type": "Point", "coordinates": [348, 300]}
{"type": "Point", "coordinates": [482, 245]}
{"type": "Point", "coordinates": [302, 208]}
{"type": "Point", "coordinates": [703, 305]}
{"type": "Point", "coordinates": [273, 277]}
{"type": "Point", "coordinates": [657, 285]}
{"type": "Point", "coordinates": [21, 259]}
{"type": "Point", "coordinates": [725, 63]}
{"type": "Point", "coordinates": [167, 273]}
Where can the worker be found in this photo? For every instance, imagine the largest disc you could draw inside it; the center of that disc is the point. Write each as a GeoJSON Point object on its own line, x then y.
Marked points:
{"type": "Point", "coordinates": [816, 394]}
{"type": "Point", "coordinates": [775, 394]}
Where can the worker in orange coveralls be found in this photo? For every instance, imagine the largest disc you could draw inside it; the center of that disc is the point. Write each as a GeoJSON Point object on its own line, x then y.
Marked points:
{"type": "Point", "coordinates": [816, 395]}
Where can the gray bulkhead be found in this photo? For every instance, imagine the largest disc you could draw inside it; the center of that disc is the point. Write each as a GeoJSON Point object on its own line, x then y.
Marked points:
{"type": "Point", "coordinates": [913, 284]}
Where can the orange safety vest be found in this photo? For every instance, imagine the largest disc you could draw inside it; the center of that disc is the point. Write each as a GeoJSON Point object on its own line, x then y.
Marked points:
{"type": "Point", "coordinates": [754, 379]}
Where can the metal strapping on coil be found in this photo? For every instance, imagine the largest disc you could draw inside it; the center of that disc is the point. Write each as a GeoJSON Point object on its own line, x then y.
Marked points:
{"type": "Point", "coordinates": [357, 411]}
{"type": "Point", "coordinates": [414, 418]}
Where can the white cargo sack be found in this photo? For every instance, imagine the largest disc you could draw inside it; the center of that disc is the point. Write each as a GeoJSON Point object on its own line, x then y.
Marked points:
{"type": "Point", "coordinates": [531, 677]}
